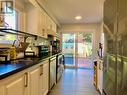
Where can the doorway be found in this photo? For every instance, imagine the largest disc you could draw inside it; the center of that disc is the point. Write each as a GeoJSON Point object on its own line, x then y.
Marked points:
{"type": "Point", "coordinates": [77, 48]}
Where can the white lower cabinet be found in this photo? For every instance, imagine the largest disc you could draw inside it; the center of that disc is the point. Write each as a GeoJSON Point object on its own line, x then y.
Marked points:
{"type": "Point", "coordinates": [15, 87]}
{"type": "Point", "coordinates": [32, 81]}
{"type": "Point", "coordinates": [44, 78]}
{"type": "Point", "coordinates": [39, 79]}
{"type": "Point", "coordinates": [1, 90]}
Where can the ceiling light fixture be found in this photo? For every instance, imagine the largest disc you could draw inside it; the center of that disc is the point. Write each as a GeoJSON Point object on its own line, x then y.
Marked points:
{"type": "Point", "coordinates": [78, 17]}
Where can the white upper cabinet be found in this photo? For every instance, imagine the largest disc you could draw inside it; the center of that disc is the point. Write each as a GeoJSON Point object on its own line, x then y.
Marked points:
{"type": "Point", "coordinates": [35, 21]}
{"type": "Point", "coordinates": [51, 26]}
{"type": "Point", "coordinates": [38, 21]}
{"type": "Point", "coordinates": [32, 19]}
{"type": "Point", "coordinates": [42, 32]}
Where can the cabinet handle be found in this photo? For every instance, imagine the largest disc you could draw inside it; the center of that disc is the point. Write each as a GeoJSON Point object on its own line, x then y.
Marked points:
{"type": "Point", "coordinates": [26, 79]}
{"type": "Point", "coordinates": [41, 70]}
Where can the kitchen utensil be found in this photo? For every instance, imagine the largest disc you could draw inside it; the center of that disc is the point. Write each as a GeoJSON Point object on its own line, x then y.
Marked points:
{"type": "Point", "coordinates": [22, 47]}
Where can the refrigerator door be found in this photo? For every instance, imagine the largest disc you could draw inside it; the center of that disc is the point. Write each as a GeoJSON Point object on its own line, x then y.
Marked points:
{"type": "Point", "coordinates": [109, 60]}
{"type": "Point", "coordinates": [122, 48]}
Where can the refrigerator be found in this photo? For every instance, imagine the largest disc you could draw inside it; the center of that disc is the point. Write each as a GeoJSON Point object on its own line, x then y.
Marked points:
{"type": "Point", "coordinates": [122, 48]}
{"type": "Point", "coordinates": [115, 53]}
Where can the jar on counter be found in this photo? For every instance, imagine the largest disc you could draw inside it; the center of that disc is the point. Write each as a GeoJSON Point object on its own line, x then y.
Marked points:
{"type": "Point", "coordinates": [12, 53]}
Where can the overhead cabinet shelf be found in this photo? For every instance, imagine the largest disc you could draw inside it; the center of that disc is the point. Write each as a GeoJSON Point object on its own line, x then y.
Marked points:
{"type": "Point", "coordinates": [15, 32]}
{"type": "Point", "coordinates": [6, 31]}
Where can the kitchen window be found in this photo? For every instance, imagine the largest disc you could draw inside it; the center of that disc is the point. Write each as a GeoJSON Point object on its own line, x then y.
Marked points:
{"type": "Point", "coordinates": [10, 21]}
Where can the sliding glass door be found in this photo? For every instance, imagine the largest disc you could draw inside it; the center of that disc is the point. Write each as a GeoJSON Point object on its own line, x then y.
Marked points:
{"type": "Point", "coordinates": [77, 48]}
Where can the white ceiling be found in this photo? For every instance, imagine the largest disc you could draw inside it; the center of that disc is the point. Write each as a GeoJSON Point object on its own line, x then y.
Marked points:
{"type": "Point", "coordinates": [65, 10]}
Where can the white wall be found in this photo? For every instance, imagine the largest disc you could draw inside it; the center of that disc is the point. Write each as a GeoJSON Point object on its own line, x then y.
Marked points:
{"type": "Point", "coordinates": [96, 29]}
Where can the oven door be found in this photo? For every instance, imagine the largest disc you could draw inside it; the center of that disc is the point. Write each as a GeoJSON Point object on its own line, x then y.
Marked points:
{"type": "Point", "coordinates": [59, 67]}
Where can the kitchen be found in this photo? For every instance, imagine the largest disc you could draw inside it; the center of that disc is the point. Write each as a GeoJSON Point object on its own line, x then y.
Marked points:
{"type": "Point", "coordinates": [30, 62]}
{"type": "Point", "coordinates": [63, 47]}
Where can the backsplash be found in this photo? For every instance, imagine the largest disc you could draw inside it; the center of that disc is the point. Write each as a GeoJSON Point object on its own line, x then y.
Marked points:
{"type": "Point", "coordinates": [32, 43]}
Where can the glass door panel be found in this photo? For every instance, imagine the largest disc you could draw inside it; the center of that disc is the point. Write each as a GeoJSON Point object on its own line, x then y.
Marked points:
{"type": "Point", "coordinates": [68, 48]}
{"type": "Point", "coordinates": [84, 45]}
{"type": "Point", "coordinates": [84, 49]}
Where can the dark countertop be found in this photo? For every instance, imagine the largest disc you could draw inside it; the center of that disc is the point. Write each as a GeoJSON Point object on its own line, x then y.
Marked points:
{"type": "Point", "coordinates": [12, 67]}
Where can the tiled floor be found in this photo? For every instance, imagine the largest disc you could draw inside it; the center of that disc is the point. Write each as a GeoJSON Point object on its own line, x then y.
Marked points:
{"type": "Point", "coordinates": [75, 82]}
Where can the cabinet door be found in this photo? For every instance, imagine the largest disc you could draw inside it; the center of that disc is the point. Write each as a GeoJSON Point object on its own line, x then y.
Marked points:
{"type": "Point", "coordinates": [43, 25]}
{"type": "Point", "coordinates": [15, 87]}
{"type": "Point", "coordinates": [41, 82]}
{"type": "Point", "coordinates": [48, 23]}
{"type": "Point", "coordinates": [2, 90]}
{"type": "Point", "coordinates": [54, 27]}
{"type": "Point", "coordinates": [32, 19]}
{"type": "Point", "coordinates": [34, 81]}
{"type": "Point", "coordinates": [44, 78]}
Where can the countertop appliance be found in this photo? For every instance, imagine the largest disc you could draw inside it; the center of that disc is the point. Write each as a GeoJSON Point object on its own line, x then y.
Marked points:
{"type": "Point", "coordinates": [43, 50]}
{"type": "Point", "coordinates": [52, 72]}
{"type": "Point", "coordinates": [55, 46]}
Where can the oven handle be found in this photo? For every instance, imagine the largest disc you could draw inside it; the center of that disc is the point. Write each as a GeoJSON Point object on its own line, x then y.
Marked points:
{"type": "Point", "coordinates": [54, 58]}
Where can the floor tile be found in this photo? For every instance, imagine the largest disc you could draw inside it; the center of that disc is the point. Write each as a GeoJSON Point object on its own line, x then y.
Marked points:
{"type": "Point", "coordinates": [75, 82]}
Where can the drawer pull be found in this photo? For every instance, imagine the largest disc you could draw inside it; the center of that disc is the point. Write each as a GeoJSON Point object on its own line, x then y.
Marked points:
{"type": "Point", "coordinates": [26, 79]}
{"type": "Point", "coordinates": [41, 70]}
